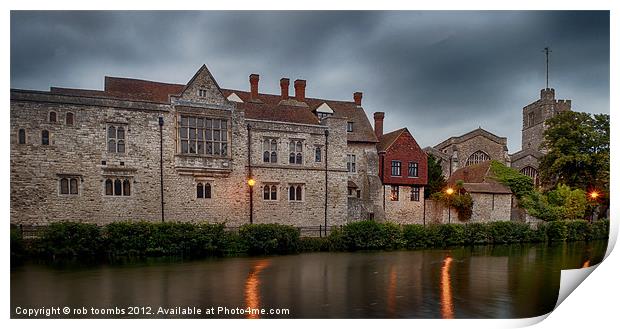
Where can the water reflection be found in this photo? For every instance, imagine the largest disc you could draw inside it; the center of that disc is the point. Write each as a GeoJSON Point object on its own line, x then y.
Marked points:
{"type": "Point", "coordinates": [391, 296]}
{"type": "Point", "coordinates": [586, 264]}
{"type": "Point", "coordinates": [447, 308]}
{"type": "Point", "coordinates": [252, 287]}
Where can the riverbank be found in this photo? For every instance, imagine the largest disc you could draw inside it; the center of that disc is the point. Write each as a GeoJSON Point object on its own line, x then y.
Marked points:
{"type": "Point", "coordinates": [67, 240]}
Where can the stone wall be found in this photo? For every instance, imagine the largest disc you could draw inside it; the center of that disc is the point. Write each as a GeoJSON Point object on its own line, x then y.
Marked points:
{"type": "Point", "coordinates": [368, 182]}
{"type": "Point", "coordinates": [80, 151]}
{"type": "Point", "coordinates": [404, 210]}
{"type": "Point", "coordinates": [486, 208]}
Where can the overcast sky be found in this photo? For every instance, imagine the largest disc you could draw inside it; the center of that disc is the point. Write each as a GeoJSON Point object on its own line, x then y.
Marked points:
{"type": "Point", "coordinates": [440, 74]}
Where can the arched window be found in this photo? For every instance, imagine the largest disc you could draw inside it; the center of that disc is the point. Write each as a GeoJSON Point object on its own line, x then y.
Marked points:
{"type": "Point", "coordinates": [21, 136]}
{"type": "Point", "coordinates": [317, 154]}
{"type": "Point", "coordinates": [64, 186]}
{"type": "Point", "coordinates": [108, 187]}
{"type": "Point", "coordinates": [126, 187]}
{"type": "Point", "coordinates": [73, 186]}
{"type": "Point", "coordinates": [295, 152]}
{"type": "Point", "coordinates": [274, 192]}
{"type": "Point", "coordinates": [52, 116]}
{"type": "Point", "coordinates": [118, 187]}
{"type": "Point", "coordinates": [266, 192]}
{"type": "Point", "coordinates": [291, 192]}
{"type": "Point", "coordinates": [45, 137]}
{"type": "Point", "coordinates": [270, 150]}
{"type": "Point", "coordinates": [295, 192]}
{"type": "Point", "coordinates": [200, 191]}
{"type": "Point", "coordinates": [270, 192]}
{"type": "Point", "coordinates": [207, 191]}
{"type": "Point", "coordinates": [477, 157]}
{"type": "Point", "coordinates": [531, 172]}
{"type": "Point", "coordinates": [69, 118]}
{"type": "Point", "coordinates": [116, 139]}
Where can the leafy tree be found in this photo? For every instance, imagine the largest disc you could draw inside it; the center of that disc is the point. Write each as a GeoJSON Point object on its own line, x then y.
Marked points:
{"type": "Point", "coordinates": [562, 203]}
{"type": "Point", "coordinates": [436, 181]}
{"type": "Point", "coordinates": [577, 147]}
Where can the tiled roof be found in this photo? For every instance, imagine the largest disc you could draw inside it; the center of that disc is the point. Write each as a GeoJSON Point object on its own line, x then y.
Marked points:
{"type": "Point", "coordinates": [476, 132]}
{"type": "Point", "coordinates": [268, 108]}
{"type": "Point", "coordinates": [476, 179]}
{"type": "Point", "coordinates": [386, 140]}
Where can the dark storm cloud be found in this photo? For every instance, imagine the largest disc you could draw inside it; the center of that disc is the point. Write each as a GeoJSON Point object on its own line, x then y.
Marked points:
{"type": "Point", "coordinates": [438, 73]}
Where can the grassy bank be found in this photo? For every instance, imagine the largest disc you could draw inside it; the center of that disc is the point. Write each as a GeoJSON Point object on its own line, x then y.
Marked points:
{"type": "Point", "coordinates": [88, 241]}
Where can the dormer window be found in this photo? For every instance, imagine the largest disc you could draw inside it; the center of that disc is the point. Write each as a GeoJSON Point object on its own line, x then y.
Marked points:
{"type": "Point", "coordinates": [202, 92]}
{"type": "Point", "coordinates": [324, 111]}
{"type": "Point", "coordinates": [349, 126]}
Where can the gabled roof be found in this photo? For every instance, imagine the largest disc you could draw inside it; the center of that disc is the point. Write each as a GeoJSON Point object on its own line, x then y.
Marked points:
{"type": "Point", "coordinates": [269, 108]}
{"type": "Point", "coordinates": [474, 133]}
{"type": "Point", "coordinates": [477, 179]}
{"type": "Point", "coordinates": [386, 140]}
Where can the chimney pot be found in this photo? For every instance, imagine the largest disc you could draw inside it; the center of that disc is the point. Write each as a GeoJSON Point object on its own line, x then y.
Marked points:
{"type": "Point", "coordinates": [300, 90]}
{"type": "Point", "coordinates": [379, 116]}
{"type": "Point", "coordinates": [284, 83]}
{"type": "Point", "coordinates": [254, 86]}
{"type": "Point", "coordinates": [357, 97]}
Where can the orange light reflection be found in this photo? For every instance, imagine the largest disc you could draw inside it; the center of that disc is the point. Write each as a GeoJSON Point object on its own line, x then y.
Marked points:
{"type": "Point", "coordinates": [252, 288]}
{"type": "Point", "coordinates": [391, 293]}
{"type": "Point", "coordinates": [447, 308]}
{"type": "Point", "coordinates": [586, 264]}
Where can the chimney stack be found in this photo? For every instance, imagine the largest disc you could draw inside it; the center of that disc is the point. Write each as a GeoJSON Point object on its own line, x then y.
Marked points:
{"type": "Point", "coordinates": [300, 90]}
{"type": "Point", "coordinates": [379, 123]}
{"type": "Point", "coordinates": [254, 86]}
{"type": "Point", "coordinates": [284, 83]}
{"type": "Point", "coordinates": [357, 97]}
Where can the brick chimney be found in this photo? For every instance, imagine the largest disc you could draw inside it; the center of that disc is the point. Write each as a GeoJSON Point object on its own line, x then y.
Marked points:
{"type": "Point", "coordinates": [254, 86]}
{"type": "Point", "coordinates": [284, 83]}
{"type": "Point", "coordinates": [300, 90]}
{"type": "Point", "coordinates": [357, 97]}
{"type": "Point", "coordinates": [379, 123]}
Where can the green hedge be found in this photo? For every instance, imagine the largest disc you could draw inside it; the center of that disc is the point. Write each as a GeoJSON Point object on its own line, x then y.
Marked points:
{"type": "Point", "coordinates": [78, 240]}
{"type": "Point", "coordinates": [265, 239]}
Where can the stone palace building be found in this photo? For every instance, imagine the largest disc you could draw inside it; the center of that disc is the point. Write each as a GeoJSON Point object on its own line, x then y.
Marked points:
{"type": "Point", "coordinates": [143, 150]}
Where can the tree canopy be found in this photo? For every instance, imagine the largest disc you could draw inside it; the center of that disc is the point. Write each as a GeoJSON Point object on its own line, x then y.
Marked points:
{"type": "Point", "coordinates": [577, 147]}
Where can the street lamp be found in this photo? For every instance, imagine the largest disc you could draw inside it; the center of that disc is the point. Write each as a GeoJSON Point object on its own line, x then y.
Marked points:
{"type": "Point", "coordinates": [251, 183]}
{"type": "Point", "coordinates": [449, 192]}
{"type": "Point", "coordinates": [594, 195]}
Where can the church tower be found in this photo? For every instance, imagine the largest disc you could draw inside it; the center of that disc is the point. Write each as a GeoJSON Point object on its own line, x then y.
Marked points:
{"type": "Point", "coordinates": [535, 114]}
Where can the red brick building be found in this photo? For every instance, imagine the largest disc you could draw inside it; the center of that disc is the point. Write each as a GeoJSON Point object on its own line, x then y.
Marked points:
{"type": "Point", "coordinates": [403, 172]}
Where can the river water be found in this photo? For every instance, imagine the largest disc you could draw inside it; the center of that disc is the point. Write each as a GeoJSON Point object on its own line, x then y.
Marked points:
{"type": "Point", "coordinates": [511, 281]}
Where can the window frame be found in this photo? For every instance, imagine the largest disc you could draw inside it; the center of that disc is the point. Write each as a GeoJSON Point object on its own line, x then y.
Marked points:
{"type": "Point", "coordinates": [318, 153]}
{"type": "Point", "coordinates": [296, 155]}
{"type": "Point", "coordinates": [69, 115]}
{"type": "Point", "coordinates": [200, 130]}
{"type": "Point", "coordinates": [351, 163]}
{"type": "Point", "coordinates": [271, 188]}
{"type": "Point", "coordinates": [350, 126]}
{"type": "Point", "coordinates": [21, 132]}
{"type": "Point", "coordinates": [206, 187]}
{"type": "Point", "coordinates": [413, 165]}
{"type": "Point", "coordinates": [118, 127]}
{"type": "Point", "coordinates": [53, 114]}
{"type": "Point", "coordinates": [298, 190]}
{"type": "Point", "coordinates": [124, 186]}
{"type": "Point", "coordinates": [394, 193]}
{"type": "Point", "coordinates": [45, 137]}
{"type": "Point", "coordinates": [272, 153]}
{"type": "Point", "coordinates": [72, 191]}
{"type": "Point", "coordinates": [477, 157]}
{"type": "Point", "coordinates": [398, 166]}
{"type": "Point", "coordinates": [415, 193]}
